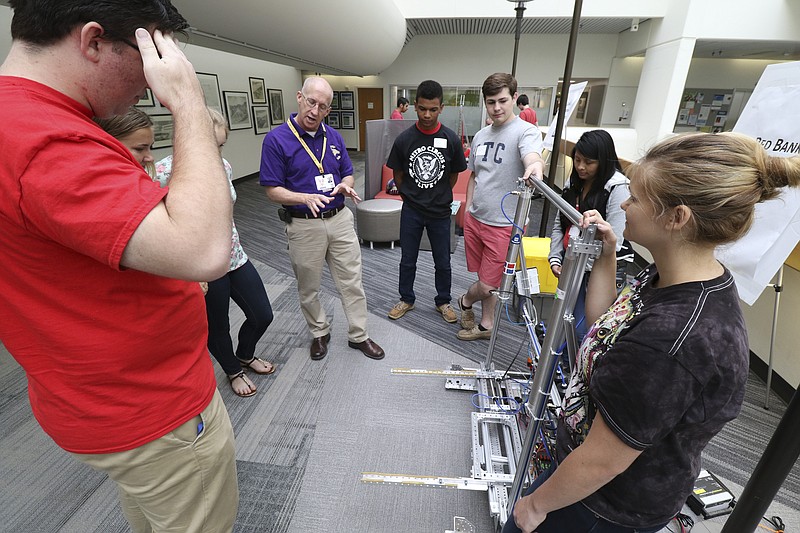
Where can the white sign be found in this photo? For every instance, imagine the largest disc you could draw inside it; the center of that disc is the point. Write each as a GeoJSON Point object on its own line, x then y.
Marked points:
{"type": "Point", "coordinates": [771, 117]}
{"type": "Point", "coordinates": [575, 92]}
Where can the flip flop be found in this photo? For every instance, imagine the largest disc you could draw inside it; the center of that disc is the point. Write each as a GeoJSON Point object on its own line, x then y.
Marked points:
{"type": "Point", "coordinates": [249, 364]}
{"type": "Point", "coordinates": [241, 375]}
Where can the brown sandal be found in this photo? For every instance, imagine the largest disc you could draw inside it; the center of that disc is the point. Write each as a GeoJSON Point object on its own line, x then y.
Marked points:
{"type": "Point", "coordinates": [267, 364]}
{"type": "Point", "coordinates": [241, 375]}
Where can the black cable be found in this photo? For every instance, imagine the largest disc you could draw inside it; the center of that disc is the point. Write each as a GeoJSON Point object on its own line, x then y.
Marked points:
{"type": "Point", "coordinates": [513, 360]}
{"type": "Point", "coordinates": [777, 523]}
{"type": "Point", "coordinates": [685, 521]}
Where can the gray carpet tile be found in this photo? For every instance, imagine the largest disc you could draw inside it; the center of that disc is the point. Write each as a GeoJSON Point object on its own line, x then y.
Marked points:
{"type": "Point", "coordinates": [314, 426]}
{"type": "Point", "coordinates": [733, 453]}
{"type": "Point", "coordinates": [380, 422]}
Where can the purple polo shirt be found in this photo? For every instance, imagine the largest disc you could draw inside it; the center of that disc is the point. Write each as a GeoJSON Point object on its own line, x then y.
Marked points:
{"type": "Point", "coordinates": [285, 163]}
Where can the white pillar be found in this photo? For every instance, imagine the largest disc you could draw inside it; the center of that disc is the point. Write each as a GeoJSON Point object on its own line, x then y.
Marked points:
{"type": "Point", "coordinates": [623, 83]}
{"type": "Point", "coordinates": [661, 85]}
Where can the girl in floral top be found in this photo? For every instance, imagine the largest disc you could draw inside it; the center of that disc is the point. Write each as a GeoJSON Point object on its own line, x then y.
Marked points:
{"type": "Point", "coordinates": [243, 285]}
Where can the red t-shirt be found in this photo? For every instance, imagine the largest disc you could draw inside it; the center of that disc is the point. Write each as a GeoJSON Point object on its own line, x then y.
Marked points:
{"type": "Point", "coordinates": [528, 115]}
{"type": "Point", "coordinates": [397, 115]}
{"type": "Point", "coordinates": [114, 358]}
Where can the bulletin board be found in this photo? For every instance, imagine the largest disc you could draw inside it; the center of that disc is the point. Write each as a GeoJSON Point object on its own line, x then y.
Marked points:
{"type": "Point", "coordinates": [704, 109]}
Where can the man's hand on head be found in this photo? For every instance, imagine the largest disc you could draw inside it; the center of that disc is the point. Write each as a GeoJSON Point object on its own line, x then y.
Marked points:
{"type": "Point", "coordinates": [168, 72]}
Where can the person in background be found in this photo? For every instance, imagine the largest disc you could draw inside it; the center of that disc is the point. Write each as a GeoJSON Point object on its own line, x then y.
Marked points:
{"type": "Point", "coordinates": [243, 285]}
{"type": "Point", "coordinates": [426, 159]}
{"type": "Point", "coordinates": [306, 168]}
{"type": "Point", "coordinates": [663, 369]}
{"type": "Point", "coordinates": [402, 107]}
{"type": "Point", "coordinates": [134, 130]}
{"type": "Point", "coordinates": [465, 147]}
{"type": "Point", "coordinates": [527, 113]}
{"type": "Point", "coordinates": [100, 265]}
{"type": "Point", "coordinates": [502, 153]}
{"type": "Point", "coordinates": [596, 182]}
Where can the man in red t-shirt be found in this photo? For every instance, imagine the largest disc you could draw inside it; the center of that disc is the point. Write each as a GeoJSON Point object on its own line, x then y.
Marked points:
{"type": "Point", "coordinates": [527, 113]}
{"type": "Point", "coordinates": [402, 107]}
{"type": "Point", "coordinates": [112, 342]}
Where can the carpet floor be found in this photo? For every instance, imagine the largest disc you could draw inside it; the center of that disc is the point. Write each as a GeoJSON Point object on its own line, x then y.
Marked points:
{"type": "Point", "coordinates": [314, 426]}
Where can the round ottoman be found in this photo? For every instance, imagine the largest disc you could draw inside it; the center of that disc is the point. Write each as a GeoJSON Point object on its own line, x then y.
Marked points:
{"type": "Point", "coordinates": [378, 220]}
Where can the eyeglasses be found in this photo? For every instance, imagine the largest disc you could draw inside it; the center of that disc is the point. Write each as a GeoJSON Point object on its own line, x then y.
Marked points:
{"type": "Point", "coordinates": [130, 43]}
{"type": "Point", "coordinates": [313, 103]}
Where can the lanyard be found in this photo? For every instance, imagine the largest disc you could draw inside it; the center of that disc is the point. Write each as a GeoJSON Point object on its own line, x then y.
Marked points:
{"type": "Point", "coordinates": [317, 162]}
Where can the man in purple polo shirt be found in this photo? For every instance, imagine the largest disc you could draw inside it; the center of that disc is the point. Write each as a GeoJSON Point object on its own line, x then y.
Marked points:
{"type": "Point", "coordinates": [305, 167]}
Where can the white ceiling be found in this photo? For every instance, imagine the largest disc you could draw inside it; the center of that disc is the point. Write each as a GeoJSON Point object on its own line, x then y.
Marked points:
{"type": "Point", "coordinates": [507, 25]}
{"type": "Point", "coordinates": [363, 37]}
{"type": "Point", "coordinates": [771, 50]}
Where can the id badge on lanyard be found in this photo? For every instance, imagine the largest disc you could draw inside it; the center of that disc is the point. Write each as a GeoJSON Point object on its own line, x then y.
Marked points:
{"type": "Point", "coordinates": [324, 182]}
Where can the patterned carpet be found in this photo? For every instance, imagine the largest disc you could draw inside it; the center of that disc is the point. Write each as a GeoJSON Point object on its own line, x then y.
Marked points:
{"type": "Point", "coordinates": [732, 455]}
{"type": "Point", "coordinates": [303, 440]}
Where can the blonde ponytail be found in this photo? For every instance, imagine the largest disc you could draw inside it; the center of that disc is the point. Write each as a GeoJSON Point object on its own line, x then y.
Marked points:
{"type": "Point", "coordinates": [720, 177]}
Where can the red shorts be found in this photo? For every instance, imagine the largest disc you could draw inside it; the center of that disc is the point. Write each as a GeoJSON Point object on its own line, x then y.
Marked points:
{"type": "Point", "coordinates": [486, 247]}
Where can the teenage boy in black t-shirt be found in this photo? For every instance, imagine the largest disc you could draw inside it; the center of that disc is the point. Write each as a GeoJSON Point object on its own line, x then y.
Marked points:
{"type": "Point", "coordinates": [426, 160]}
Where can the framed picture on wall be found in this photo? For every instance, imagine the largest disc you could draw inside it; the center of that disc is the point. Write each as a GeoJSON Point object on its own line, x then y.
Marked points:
{"type": "Point", "coordinates": [348, 120]}
{"type": "Point", "coordinates": [346, 100]}
{"type": "Point", "coordinates": [261, 118]}
{"type": "Point", "coordinates": [237, 108]}
{"type": "Point", "coordinates": [258, 91]}
{"type": "Point", "coordinates": [210, 85]}
{"type": "Point", "coordinates": [147, 100]}
{"type": "Point", "coordinates": [333, 119]}
{"type": "Point", "coordinates": [162, 130]}
{"type": "Point", "coordinates": [275, 106]}
{"type": "Point", "coordinates": [335, 101]}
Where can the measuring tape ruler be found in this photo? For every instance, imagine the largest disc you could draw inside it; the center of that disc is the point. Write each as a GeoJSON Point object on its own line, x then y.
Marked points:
{"type": "Point", "coordinates": [465, 372]}
{"type": "Point", "coordinates": [463, 483]}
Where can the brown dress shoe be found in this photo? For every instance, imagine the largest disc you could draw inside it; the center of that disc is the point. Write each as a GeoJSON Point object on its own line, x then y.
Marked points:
{"type": "Point", "coordinates": [319, 347]}
{"type": "Point", "coordinates": [369, 348]}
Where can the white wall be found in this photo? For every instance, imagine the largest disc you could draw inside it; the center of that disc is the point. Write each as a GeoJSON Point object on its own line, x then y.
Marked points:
{"type": "Point", "coordinates": [243, 149]}
{"type": "Point", "coordinates": [352, 83]}
{"type": "Point", "coordinates": [5, 24]}
{"type": "Point", "coordinates": [759, 327]}
{"type": "Point", "coordinates": [623, 84]}
{"type": "Point", "coordinates": [745, 20]}
{"type": "Point", "coordinates": [469, 59]}
{"type": "Point", "coordinates": [726, 73]}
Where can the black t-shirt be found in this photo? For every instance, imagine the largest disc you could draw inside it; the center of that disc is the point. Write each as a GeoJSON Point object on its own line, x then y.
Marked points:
{"type": "Point", "coordinates": [427, 160]}
{"type": "Point", "coordinates": [666, 369]}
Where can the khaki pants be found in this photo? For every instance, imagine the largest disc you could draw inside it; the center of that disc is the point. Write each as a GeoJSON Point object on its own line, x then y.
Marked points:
{"type": "Point", "coordinates": [314, 242]}
{"type": "Point", "coordinates": [183, 482]}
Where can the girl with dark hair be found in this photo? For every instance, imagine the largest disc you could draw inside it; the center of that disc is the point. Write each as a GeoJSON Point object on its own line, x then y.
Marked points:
{"type": "Point", "coordinates": [596, 182]}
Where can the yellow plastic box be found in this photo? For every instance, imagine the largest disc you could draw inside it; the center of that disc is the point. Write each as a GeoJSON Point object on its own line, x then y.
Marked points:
{"type": "Point", "coordinates": [536, 251]}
